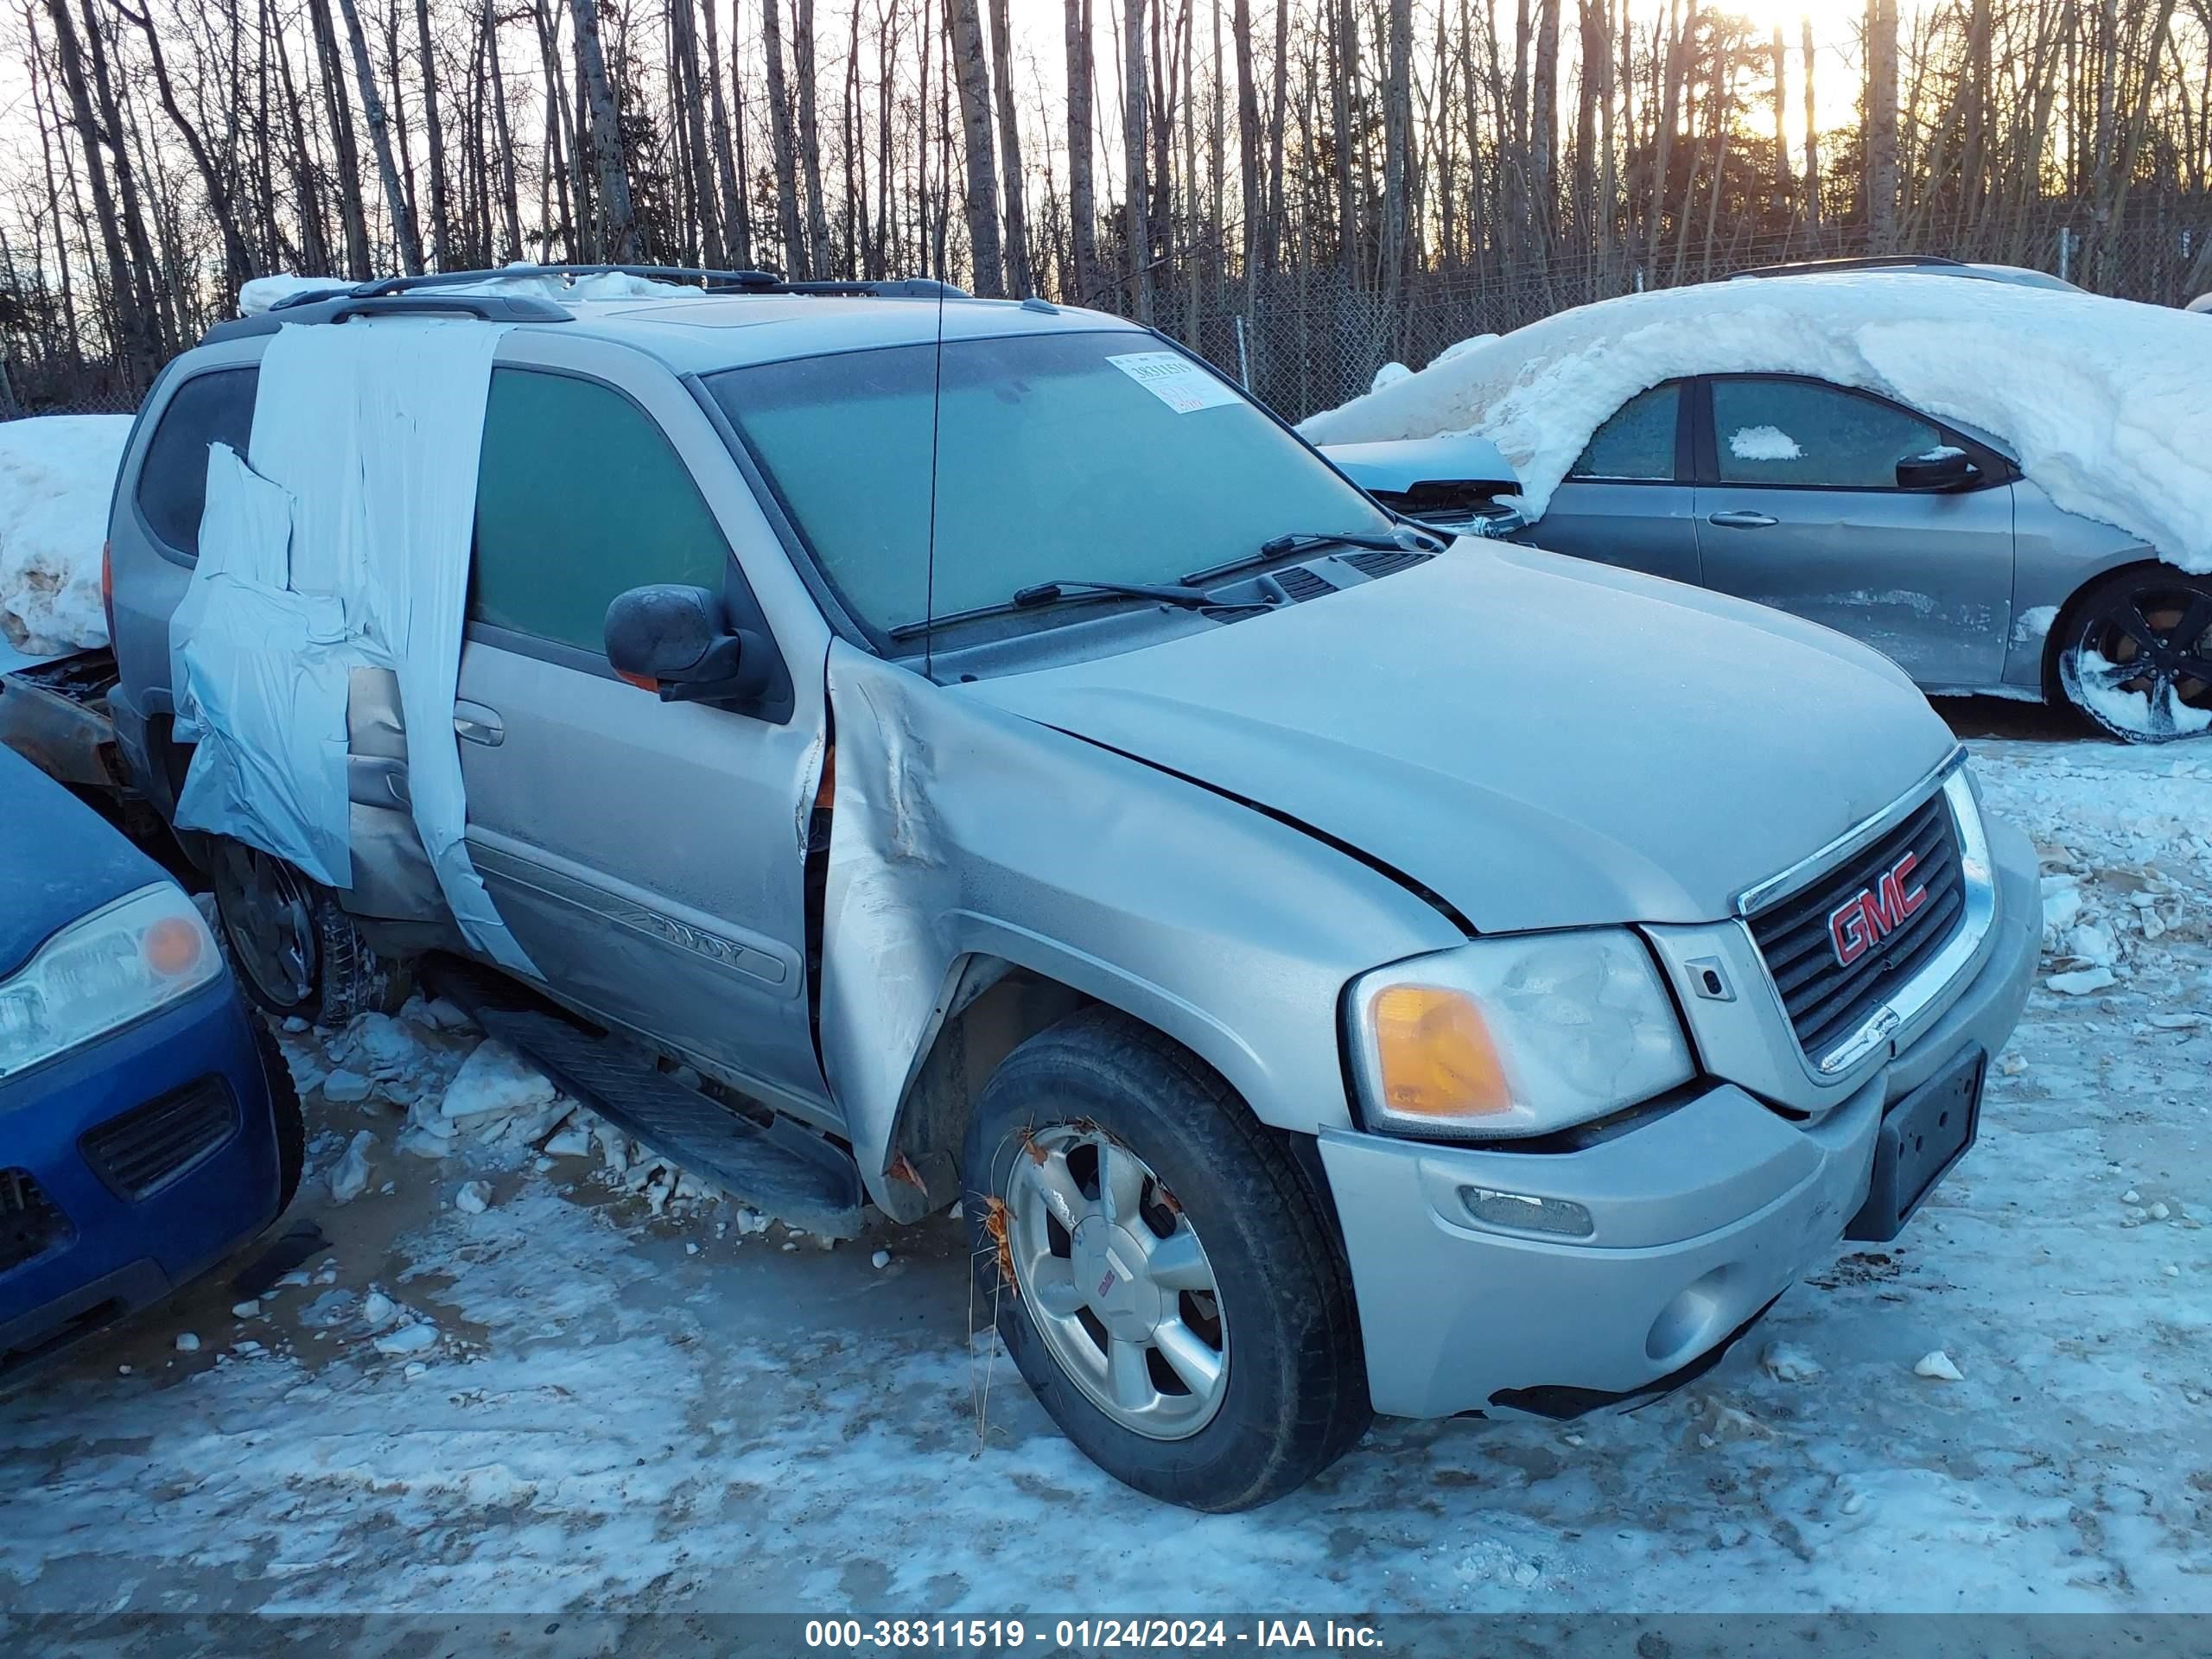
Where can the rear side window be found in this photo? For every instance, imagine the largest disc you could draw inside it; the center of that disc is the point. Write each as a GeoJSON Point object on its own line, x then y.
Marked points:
{"type": "Point", "coordinates": [579, 497]}
{"type": "Point", "coordinates": [212, 408]}
{"type": "Point", "coordinates": [1811, 436]}
{"type": "Point", "coordinates": [1639, 442]}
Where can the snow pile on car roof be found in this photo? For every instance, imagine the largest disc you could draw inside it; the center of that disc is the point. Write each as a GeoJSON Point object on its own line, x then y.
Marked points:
{"type": "Point", "coordinates": [56, 474]}
{"type": "Point", "coordinates": [2105, 402]}
{"type": "Point", "coordinates": [260, 295]}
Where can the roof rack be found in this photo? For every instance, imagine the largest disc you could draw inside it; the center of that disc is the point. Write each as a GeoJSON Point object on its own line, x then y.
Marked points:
{"type": "Point", "coordinates": [709, 281]}
{"type": "Point", "coordinates": [1866, 262]}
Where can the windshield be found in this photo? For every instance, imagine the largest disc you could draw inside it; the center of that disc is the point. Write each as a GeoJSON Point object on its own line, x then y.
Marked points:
{"type": "Point", "coordinates": [1094, 457]}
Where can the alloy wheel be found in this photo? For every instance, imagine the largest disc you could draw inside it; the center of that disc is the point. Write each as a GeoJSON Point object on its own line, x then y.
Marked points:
{"type": "Point", "coordinates": [1117, 1282]}
{"type": "Point", "coordinates": [270, 922]}
{"type": "Point", "coordinates": [2155, 643]}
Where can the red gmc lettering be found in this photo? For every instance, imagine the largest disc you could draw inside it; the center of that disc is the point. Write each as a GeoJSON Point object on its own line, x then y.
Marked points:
{"type": "Point", "coordinates": [1871, 915]}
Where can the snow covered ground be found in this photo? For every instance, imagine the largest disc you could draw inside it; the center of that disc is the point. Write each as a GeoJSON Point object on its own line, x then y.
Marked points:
{"type": "Point", "coordinates": [520, 1382]}
{"type": "Point", "coordinates": [56, 474]}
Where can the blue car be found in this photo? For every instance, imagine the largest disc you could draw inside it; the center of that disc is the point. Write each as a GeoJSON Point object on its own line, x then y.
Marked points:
{"type": "Point", "coordinates": [147, 1124]}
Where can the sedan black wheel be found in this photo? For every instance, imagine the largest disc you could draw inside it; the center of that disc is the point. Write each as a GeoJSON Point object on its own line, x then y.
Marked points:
{"type": "Point", "coordinates": [2138, 657]}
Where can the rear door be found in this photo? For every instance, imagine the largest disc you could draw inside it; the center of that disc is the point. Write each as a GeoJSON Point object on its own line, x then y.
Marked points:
{"type": "Point", "coordinates": [1798, 507]}
{"type": "Point", "coordinates": [1629, 500]}
{"type": "Point", "coordinates": [648, 855]}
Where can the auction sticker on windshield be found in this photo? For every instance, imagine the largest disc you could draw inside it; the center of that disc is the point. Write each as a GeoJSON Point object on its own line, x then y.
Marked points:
{"type": "Point", "coordinates": [1174, 379]}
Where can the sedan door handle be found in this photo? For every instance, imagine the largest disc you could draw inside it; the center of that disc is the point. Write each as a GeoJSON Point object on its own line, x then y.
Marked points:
{"type": "Point", "coordinates": [473, 722]}
{"type": "Point", "coordinates": [1743, 520]}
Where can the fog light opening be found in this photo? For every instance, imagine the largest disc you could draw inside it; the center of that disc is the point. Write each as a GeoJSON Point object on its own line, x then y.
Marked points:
{"type": "Point", "coordinates": [1519, 1213]}
{"type": "Point", "coordinates": [1693, 1320]}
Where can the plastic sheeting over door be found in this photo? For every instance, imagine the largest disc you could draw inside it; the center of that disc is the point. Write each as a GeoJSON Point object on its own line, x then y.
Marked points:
{"type": "Point", "coordinates": [369, 432]}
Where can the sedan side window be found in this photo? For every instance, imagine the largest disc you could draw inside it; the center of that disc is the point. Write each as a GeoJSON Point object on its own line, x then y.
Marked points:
{"type": "Point", "coordinates": [1637, 442]}
{"type": "Point", "coordinates": [1815, 436]}
{"type": "Point", "coordinates": [580, 497]}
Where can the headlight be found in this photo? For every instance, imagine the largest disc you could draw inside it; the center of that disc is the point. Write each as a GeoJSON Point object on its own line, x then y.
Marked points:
{"type": "Point", "coordinates": [115, 966]}
{"type": "Point", "coordinates": [1514, 1036]}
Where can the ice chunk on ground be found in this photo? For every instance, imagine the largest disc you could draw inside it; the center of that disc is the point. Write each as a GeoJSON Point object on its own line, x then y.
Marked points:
{"type": "Point", "coordinates": [187, 1342]}
{"type": "Point", "coordinates": [246, 1310]}
{"type": "Point", "coordinates": [345, 1088]}
{"type": "Point", "coordinates": [57, 473]}
{"type": "Point", "coordinates": [1787, 1364]}
{"type": "Point", "coordinates": [882, 1259]}
{"type": "Point", "coordinates": [571, 1140]}
{"type": "Point", "coordinates": [408, 1339]}
{"type": "Point", "coordinates": [2103, 414]}
{"type": "Point", "coordinates": [1936, 1365]}
{"type": "Point", "coordinates": [376, 1307]}
{"type": "Point", "coordinates": [2092, 945]}
{"type": "Point", "coordinates": [2081, 980]}
{"type": "Point", "coordinates": [473, 1198]}
{"type": "Point", "coordinates": [350, 1178]}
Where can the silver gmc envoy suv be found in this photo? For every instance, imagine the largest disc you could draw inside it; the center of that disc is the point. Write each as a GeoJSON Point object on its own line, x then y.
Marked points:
{"type": "Point", "coordinates": [941, 751]}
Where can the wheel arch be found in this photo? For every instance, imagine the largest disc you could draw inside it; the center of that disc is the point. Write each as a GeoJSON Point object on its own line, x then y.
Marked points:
{"type": "Point", "coordinates": [992, 1001]}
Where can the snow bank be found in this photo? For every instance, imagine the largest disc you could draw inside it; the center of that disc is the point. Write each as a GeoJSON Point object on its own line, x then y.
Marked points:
{"type": "Point", "coordinates": [2105, 402]}
{"type": "Point", "coordinates": [56, 474]}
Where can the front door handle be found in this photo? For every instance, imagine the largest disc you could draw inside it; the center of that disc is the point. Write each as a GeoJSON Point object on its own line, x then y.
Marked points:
{"type": "Point", "coordinates": [1743, 520]}
{"type": "Point", "coordinates": [473, 722]}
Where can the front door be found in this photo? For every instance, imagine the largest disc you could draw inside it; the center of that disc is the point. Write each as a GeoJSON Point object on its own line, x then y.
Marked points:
{"type": "Point", "coordinates": [648, 855]}
{"type": "Point", "coordinates": [1798, 507]}
{"type": "Point", "coordinates": [1627, 500]}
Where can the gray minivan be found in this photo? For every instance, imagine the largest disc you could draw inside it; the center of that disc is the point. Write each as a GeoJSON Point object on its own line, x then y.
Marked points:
{"type": "Point", "coordinates": [1336, 973]}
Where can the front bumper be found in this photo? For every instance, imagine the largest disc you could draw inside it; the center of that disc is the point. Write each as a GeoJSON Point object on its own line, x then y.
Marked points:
{"type": "Point", "coordinates": [114, 1252]}
{"type": "Point", "coordinates": [1700, 1217]}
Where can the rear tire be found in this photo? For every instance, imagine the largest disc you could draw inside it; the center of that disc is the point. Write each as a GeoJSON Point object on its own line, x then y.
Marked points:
{"type": "Point", "coordinates": [2135, 655]}
{"type": "Point", "coordinates": [1234, 1378]}
{"type": "Point", "coordinates": [297, 952]}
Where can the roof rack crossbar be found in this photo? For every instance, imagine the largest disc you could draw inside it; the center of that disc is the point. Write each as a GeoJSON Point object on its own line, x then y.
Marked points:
{"type": "Point", "coordinates": [711, 280]}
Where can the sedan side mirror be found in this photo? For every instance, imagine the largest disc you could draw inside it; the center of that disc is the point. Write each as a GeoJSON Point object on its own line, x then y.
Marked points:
{"type": "Point", "coordinates": [1947, 468]}
{"type": "Point", "coordinates": [674, 639]}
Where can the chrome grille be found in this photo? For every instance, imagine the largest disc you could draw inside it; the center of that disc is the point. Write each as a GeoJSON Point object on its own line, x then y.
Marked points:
{"type": "Point", "coordinates": [1805, 936]}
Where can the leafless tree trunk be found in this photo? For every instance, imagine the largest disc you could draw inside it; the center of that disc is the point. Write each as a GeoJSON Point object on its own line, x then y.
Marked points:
{"type": "Point", "coordinates": [1082, 207]}
{"type": "Point", "coordinates": [1882, 126]}
{"type": "Point", "coordinates": [402, 220]}
{"type": "Point", "coordinates": [1018, 279]}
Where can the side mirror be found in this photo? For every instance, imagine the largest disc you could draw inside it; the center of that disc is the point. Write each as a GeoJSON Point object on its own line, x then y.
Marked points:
{"type": "Point", "coordinates": [674, 639]}
{"type": "Point", "coordinates": [1947, 468]}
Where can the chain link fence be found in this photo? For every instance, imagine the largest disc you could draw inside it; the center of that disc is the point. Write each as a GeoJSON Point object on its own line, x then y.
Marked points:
{"type": "Point", "coordinates": [1308, 340]}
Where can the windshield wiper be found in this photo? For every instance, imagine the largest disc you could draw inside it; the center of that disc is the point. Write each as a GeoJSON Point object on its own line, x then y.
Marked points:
{"type": "Point", "coordinates": [1053, 591]}
{"type": "Point", "coordinates": [1038, 594]}
{"type": "Point", "coordinates": [1309, 541]}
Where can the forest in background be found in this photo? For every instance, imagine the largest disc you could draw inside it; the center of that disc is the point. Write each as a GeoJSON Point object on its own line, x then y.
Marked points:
{"type": "Point", "coordinates": [1348, 165]}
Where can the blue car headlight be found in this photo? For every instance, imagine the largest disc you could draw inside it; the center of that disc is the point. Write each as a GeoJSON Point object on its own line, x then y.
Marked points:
{"type": "Point", "coordinates": [98, 975]}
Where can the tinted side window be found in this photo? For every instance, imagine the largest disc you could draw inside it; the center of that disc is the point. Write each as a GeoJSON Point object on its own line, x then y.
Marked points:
{"type": "Point", "coordinates": [1815, 437]}
{"type": "Point", "coordinates": [1639, 442]}
{"type": "Point", "coordinates": [579, 497]}
{"type": "Point", "coordinates": [212, 408]}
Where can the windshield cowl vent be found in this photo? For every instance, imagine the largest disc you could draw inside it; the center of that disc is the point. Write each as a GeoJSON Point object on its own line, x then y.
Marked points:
{"type": "Point", "coordinates": [1301, 582]}
{"type": "Point", "coordinates": [1381, 562]}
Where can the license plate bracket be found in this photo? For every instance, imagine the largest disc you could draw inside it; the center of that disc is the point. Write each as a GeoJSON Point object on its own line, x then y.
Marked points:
{"type": "Point", "coordinates": [1921, 1137]}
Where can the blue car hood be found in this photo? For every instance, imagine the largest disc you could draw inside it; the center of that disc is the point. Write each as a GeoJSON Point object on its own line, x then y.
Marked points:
{"type": "Point", "coordinates": [59, 860]}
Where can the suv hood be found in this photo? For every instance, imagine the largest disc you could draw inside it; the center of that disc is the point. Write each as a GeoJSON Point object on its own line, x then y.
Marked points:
{"type": "Point", "coordinates": [1540, 741]}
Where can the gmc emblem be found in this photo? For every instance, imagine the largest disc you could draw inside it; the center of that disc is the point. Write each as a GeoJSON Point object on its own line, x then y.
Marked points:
{"type": "Point", "coordinates": [1871, 915]}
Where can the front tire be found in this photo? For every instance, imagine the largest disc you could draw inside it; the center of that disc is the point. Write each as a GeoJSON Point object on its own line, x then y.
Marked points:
{"type": "Point", "coordinates": [297, 952]}
{"type": "Point", "coordinates": [2136, 656]}
{"type": "Point", "coordinates": [1159, 1269]}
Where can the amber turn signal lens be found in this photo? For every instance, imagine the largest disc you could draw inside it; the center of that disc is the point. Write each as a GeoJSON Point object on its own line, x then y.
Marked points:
{"type": "Point", "coordinates": [1435, 1054]}
{"type": "Point", "coordinates": [172, 947]}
